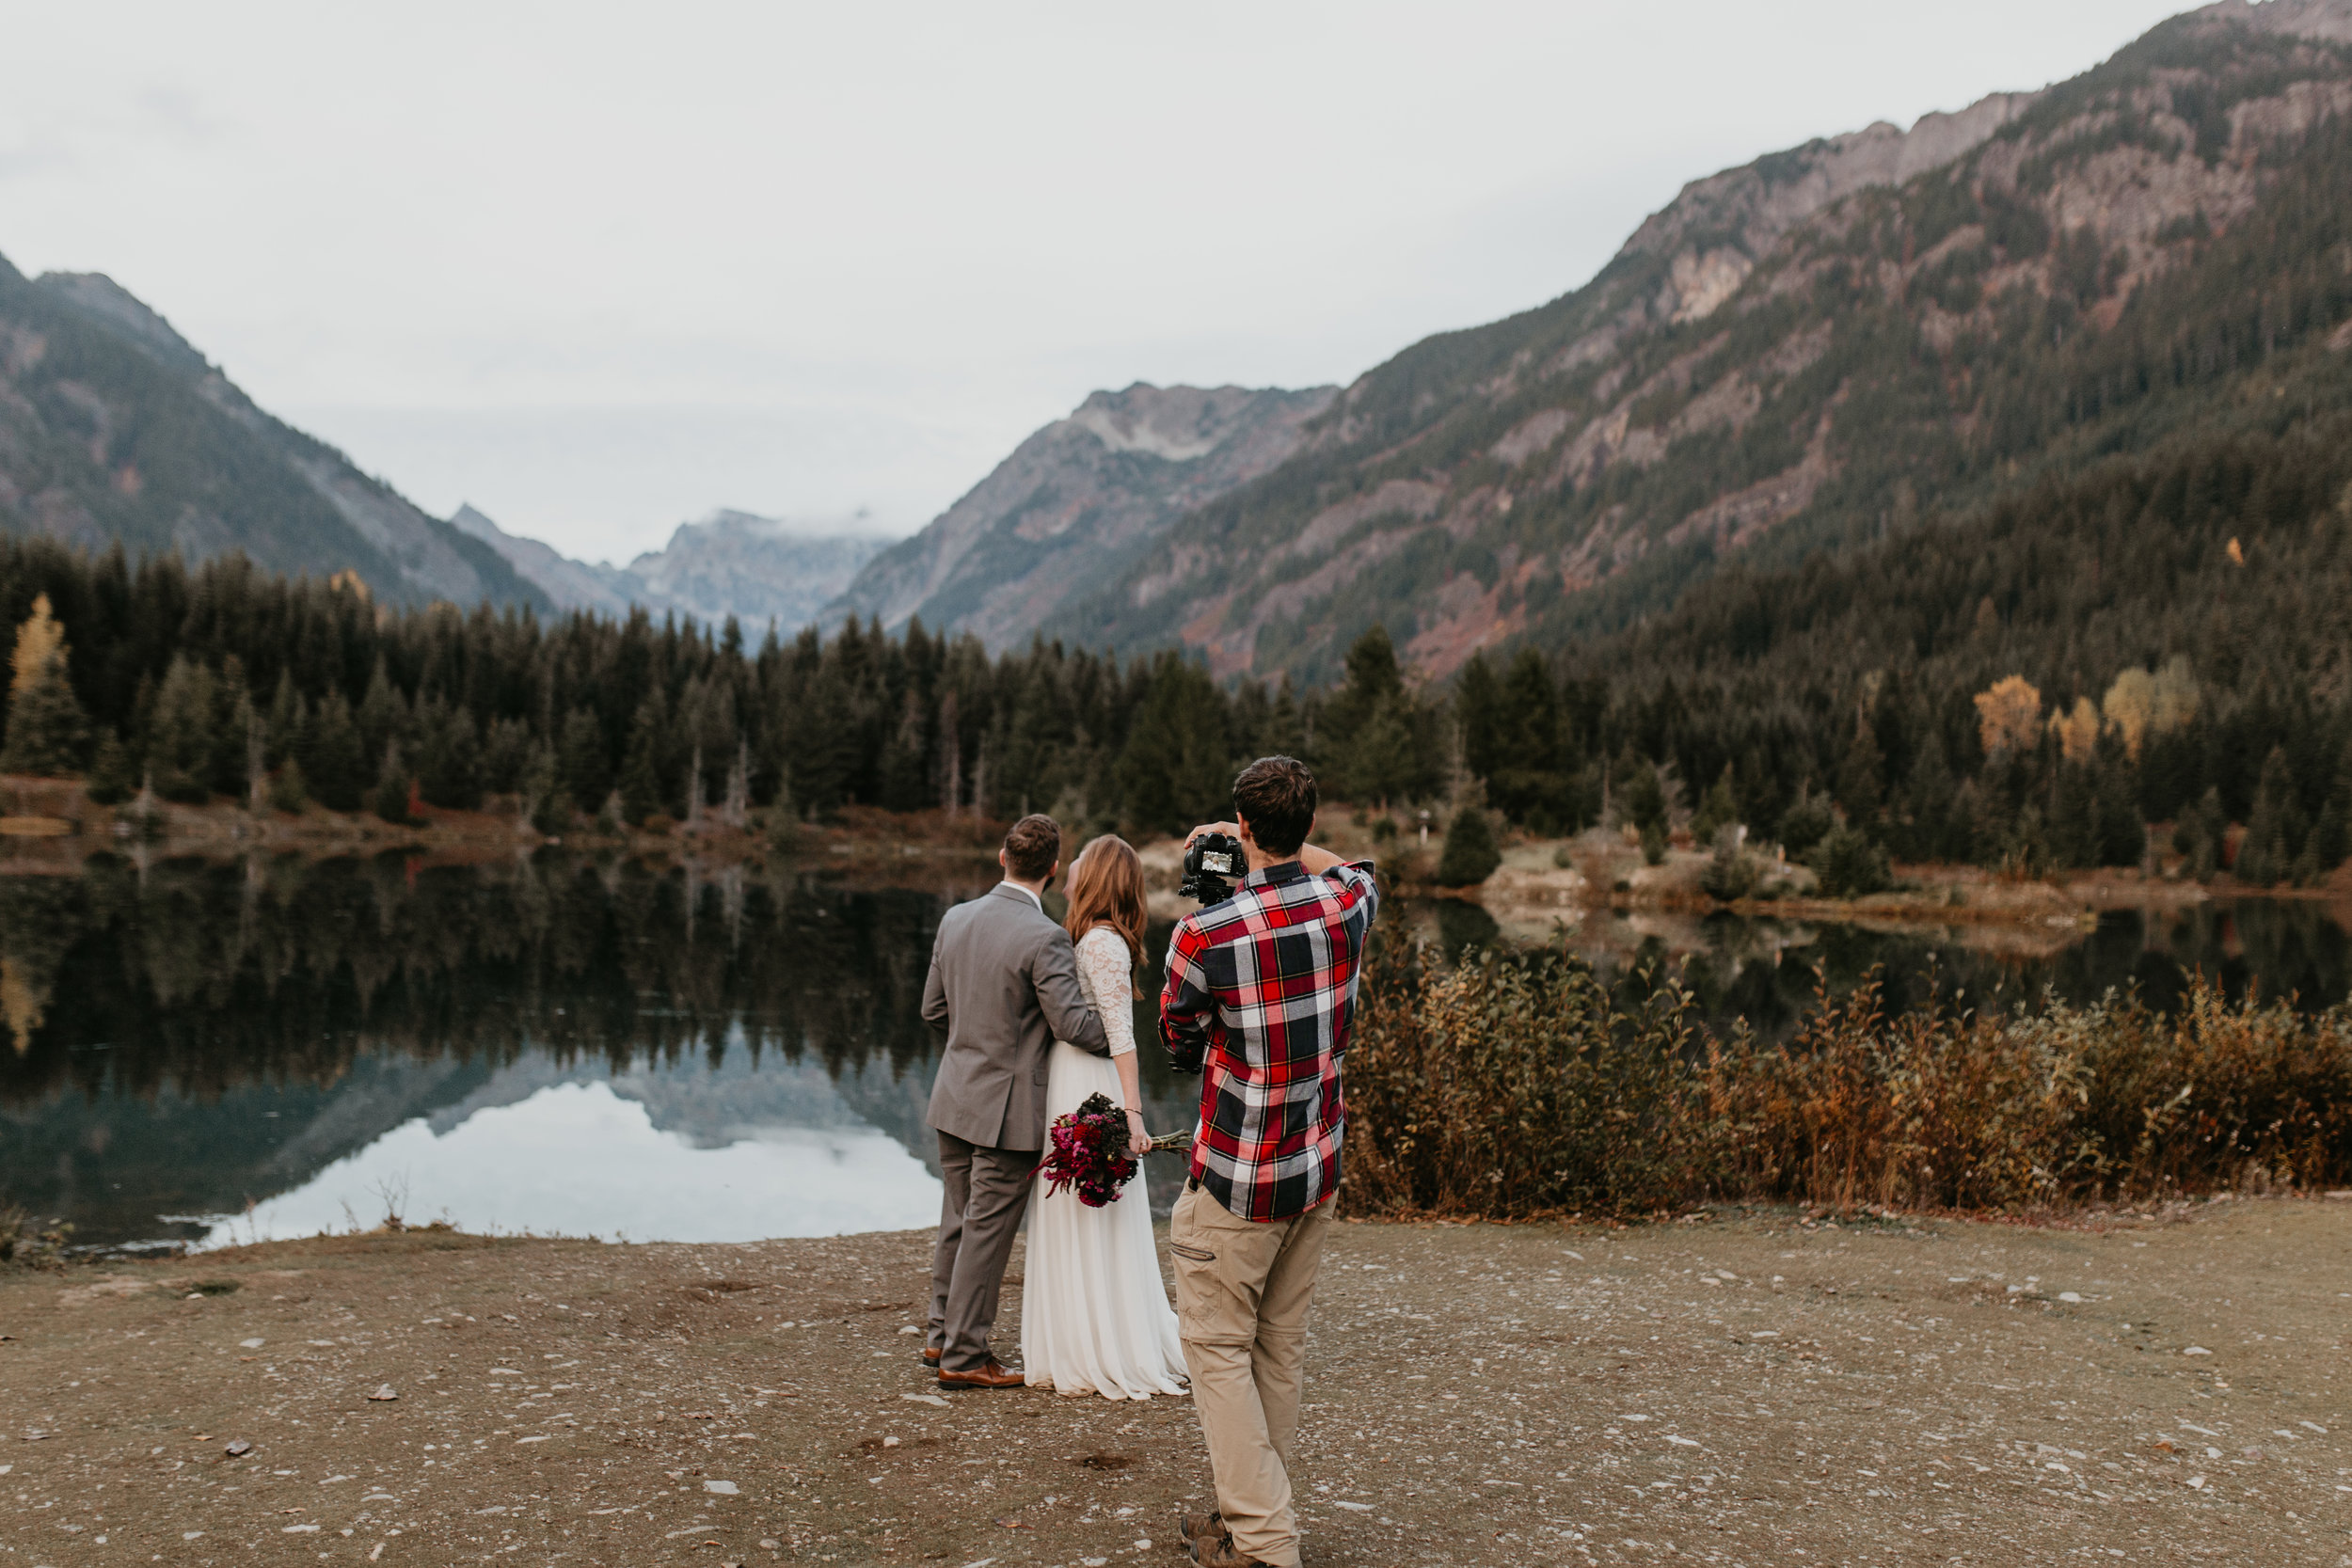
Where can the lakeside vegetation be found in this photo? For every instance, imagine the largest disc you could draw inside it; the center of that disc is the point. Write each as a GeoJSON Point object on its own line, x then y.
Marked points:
{"type": "Point", "coordinates": [1512, 1086]}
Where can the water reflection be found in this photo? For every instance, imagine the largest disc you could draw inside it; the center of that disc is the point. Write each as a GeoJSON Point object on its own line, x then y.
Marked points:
{"type": "Point", "coordinates": [1768, 972]}
{"type": "Point", "coordinates": [197, 1042]}
{"type": "Point", "coordinates": [199, 1052]}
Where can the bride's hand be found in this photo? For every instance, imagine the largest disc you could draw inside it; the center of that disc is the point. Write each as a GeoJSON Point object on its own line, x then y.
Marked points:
{"type": "Point", "coordinates": [1137, 1137]}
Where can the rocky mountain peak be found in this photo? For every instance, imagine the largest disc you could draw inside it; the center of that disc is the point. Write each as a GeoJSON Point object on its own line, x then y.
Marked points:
{"type": "Point", "coordinates": [1075, 504]}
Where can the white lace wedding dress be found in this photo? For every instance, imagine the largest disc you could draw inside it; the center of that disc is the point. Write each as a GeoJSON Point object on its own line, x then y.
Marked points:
{"type": "Point", "coordinates": [1094, 1315]}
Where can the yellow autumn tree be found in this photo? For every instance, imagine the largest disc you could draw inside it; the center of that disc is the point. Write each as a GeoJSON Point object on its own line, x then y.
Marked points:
{"type": "Point", "coordinates": [47, 732]}
{"type": "Point", "coordinates": [2077, 731]}
{"type": "Point", "coordinates": [2141, 704]}
{"type": "Point", "coordinates": [39, 645]}
{"type": "Point", "coordinates": [2176, 697]}
{"type": "Point", "coordinates": [2009, 716]}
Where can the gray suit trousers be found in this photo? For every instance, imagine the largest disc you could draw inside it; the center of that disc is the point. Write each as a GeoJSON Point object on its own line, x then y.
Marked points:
{"type": "Point", "coordinates": [988, 1189]}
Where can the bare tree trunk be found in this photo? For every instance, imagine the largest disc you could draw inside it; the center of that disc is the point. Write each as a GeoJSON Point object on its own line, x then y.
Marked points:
{"type": "Point", "coordinates": [256, 769]}
{"type": "Point", "coordinates": [951, 747]}
{"type": "Point", "coordinates": [739, 785]}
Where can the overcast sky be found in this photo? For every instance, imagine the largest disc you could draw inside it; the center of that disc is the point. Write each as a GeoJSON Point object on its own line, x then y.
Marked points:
{"type": "Point", "coordinates": [602, 269]}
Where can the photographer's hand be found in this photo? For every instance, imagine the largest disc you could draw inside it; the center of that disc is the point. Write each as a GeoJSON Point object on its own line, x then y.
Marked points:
{"type": "Point", "coordinates": [1230, 830]}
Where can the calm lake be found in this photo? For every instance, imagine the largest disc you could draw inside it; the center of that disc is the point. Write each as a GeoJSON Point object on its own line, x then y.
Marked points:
{"type": "Point", "coordinates": [209, 1054]}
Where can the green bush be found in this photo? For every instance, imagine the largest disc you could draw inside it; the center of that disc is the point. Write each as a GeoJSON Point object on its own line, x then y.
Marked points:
{"type": "Point", "coordinates": [1849, 865]}
{"type": "Point", "coordinates": [1471, 855]}
{"type": "Point", "coordinates": [1732, 874]}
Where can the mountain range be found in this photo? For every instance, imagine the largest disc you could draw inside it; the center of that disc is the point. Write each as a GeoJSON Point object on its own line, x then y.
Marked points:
{"type": "Point", "coordinates": [1828, 345]}
{"type": "Point", "coordinates": [731, 563]}
{"type": "Point", "coordinates": [1822, 348]}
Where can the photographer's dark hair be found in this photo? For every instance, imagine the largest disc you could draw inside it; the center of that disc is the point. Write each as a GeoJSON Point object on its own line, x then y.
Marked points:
{"type": "Point", "coordinates": [1032, 848]}
{"type": "Point", "coordinates": [1276, 796]}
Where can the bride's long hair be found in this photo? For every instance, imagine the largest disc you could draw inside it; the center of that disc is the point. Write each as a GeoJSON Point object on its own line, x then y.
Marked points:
{"type": "Point", "coordinates": [1106, 889]}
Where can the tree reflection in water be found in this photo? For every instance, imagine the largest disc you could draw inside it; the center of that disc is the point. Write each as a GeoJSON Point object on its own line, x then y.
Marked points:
{"type": "Point", "coordinates": [188, 1037]}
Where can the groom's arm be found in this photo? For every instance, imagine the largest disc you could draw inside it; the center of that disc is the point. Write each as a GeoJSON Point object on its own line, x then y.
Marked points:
{"type": "Point", "coordinates": [935, 988]}
{"type": "Point", "coordinates": [1068, 1013]}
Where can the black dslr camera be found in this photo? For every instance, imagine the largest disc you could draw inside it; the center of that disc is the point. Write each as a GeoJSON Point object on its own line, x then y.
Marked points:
{"type": "Point", "coordinates": [1212, 864]}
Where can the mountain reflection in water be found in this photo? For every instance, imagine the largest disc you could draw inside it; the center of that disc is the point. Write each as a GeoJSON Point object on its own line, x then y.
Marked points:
{"type": "Point", "coordinates": [279, 1046]}
{"type": "Point", "coordinates": [207, 1052]}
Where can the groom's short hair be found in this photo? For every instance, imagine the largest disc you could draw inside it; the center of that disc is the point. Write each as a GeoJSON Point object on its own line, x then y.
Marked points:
{"type": "Point", "coordinates": [1276, 796]}
{"type": "Point", "coordinates": [1032, 848]}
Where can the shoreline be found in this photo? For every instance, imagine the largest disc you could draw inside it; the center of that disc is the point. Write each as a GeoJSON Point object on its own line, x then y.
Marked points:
{"type": "Point", "coordinates": [51, 827]}
{"type": "Point", "coordinates": [1756, 1386]}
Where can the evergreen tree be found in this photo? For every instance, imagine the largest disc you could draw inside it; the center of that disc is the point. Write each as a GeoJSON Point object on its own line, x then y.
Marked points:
{"type": "Point", "coordinates": [394, 787]}
{"type": "Point", "coordinates": [1719, 809]}
{"type": "Point", "coordinates": [1805, 823]}
{"type": "Point", "coordinates": [1471, 855]}
{"type": "Point", "coordinates": [287, 790]}
{"type": "Point", "coordinates": [1178, 765]}
{"type": "Point", "coordinates": [113, 778]}
{"type": "Point", "coordinates": [2274, 827]}
{"type": "Point", "coordinates": [383, 714]}
{"type": "Point", "coordinates": [580, 757]}
{"type": "Point", "coordinates": [227, 761]}
{"type": "Point", "coordinates": [449, 759]}
{"type": "Point", "coordinates": [1849, 865]}
{"type": "Point", "coordinates": [286, 712]}
{"type": "Point", "coordinates": [546, 804]}
{"type": "Point", "coordinates": [180, 740]}
{"type": "Point", "coordinates": [329, 748]}
{"type": "Point", "coordinates": [642, 788]}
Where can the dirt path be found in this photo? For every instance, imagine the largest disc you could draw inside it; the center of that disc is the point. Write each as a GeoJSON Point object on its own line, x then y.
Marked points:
{"type": "Point", "coordinates": [1743, 1392]}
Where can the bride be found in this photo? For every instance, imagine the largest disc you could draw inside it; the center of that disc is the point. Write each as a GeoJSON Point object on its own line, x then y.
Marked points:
{"type": "Point", "coordinates": [1094, 1316]}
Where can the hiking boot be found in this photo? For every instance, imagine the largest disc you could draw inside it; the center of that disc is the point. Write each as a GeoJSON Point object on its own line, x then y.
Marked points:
{"type": "Point", "coordinates": [1221, 1552]}
{"type": "Point", "coordinates": [1200, 1527]}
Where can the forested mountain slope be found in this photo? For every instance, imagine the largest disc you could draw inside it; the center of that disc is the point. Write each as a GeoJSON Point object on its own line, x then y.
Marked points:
{"type": "Point", "coordinates": [1829, 345]}
{"type": "Point", "coordinates": [115, 430]}
{"type": "Point", "coordinates": [1074, 506]}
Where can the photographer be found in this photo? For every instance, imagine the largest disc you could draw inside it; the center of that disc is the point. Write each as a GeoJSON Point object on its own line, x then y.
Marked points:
{"type": "Point", "coordinates": [1260, 994]}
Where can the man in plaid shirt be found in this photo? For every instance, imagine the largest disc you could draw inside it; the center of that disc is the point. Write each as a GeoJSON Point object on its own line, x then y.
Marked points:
{"type": "Point", "coordinates": [1261, 994]}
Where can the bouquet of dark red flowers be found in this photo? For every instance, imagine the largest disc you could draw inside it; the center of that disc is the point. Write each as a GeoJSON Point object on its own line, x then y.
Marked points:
{"type": "Point", "coordinates": [1089, 1152]}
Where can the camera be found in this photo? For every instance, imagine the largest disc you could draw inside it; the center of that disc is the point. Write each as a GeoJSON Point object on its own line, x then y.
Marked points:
{"type": "Point", "coordinates": [1212, 864]}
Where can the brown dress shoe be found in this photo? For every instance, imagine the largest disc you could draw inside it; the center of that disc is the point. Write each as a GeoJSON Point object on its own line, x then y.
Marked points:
{"type": "Point", "coordinates": [930, 1358]}
{"type": "Point", "coordinates": [991, 1374]}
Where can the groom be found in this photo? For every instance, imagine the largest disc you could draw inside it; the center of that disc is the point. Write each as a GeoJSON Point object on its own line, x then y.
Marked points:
{"type": "Point", "coordinates": [1004, 985]}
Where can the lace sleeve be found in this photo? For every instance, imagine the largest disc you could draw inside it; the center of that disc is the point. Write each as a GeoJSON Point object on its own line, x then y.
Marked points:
{"type": "Point", "coordinates": [1108, 973]}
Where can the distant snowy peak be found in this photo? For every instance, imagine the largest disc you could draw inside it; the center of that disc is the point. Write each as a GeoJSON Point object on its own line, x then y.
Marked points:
{"type": "Point", "coordinates": [756, 569]}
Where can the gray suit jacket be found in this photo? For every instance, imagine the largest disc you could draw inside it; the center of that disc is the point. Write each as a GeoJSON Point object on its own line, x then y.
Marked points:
{"type": "Point", "coordinates": [1004, 985]}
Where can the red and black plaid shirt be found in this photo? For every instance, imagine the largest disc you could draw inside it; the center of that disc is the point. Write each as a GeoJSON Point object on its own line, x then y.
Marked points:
{"type": "Point", "coordinates": [1260, 997]}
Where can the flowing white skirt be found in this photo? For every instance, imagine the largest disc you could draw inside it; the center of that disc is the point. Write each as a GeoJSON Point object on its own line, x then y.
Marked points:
{"type": "Point", "coordinates": [1094, 1316]}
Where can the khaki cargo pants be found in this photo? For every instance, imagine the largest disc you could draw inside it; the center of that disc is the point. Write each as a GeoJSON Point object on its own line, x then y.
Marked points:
{"type": "Point", "coordinates": [1242, 1289]}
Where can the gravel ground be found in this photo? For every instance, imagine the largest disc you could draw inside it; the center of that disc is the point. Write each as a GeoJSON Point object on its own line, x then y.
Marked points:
{"type": "Point", "coordinates": [1744, 1390]}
